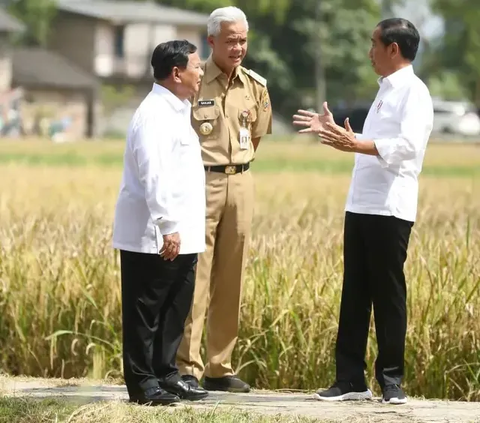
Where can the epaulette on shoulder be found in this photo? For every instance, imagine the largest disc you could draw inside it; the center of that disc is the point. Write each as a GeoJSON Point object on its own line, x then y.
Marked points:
{"type": "Point", "coordinates": [254, 75]}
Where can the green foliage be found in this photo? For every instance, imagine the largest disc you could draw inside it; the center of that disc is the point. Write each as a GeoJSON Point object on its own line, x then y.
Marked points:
{"type": "Point", "coordinates": [205, 6]}
{"type": "Point", "coordinates": [341, 31]}
{"type": "Point", "coordinates": [447, 85]}
{"type": "Point", "coordinates": [37, 15]}
{"type": "Point", "coordinates": [289, 39]}
{"type": "Point", "coordinates": [285, 38]}
{"type": "Point", "coordinates": [459, 50]}
{"type": "Point", "coordinates": [115, 96]}
{"type": "Point", "coordinates": [286, 35]}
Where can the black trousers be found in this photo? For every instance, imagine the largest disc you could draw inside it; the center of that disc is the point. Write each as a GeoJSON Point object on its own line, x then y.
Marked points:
{"type": "Point", "coordinates": [156, 299]}
{"type": "Point", "coordinates": [375, 250]}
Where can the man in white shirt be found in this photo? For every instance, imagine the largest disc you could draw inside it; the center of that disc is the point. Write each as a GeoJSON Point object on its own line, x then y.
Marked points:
{"type": "Point", "coordinates": [380, 212]}
{"type": "Point", "coordinates": [160, 227]}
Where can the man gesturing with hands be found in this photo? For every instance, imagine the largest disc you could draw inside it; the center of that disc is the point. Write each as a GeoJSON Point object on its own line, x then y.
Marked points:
{"type": "Point", "coordinates": [380, 213]}
{"type": "Point", "coordinates": [324, 126]}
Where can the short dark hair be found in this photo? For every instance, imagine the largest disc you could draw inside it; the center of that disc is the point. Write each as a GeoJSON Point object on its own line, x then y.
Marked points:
{"type": "Point", "coordinates": [170, 54]}
{"type": "Point", "coordinates": [402, 32]}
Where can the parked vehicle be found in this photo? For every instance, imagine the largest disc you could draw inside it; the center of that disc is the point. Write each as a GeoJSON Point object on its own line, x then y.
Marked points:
{"type": "Point", "coordinates": [456, 118]}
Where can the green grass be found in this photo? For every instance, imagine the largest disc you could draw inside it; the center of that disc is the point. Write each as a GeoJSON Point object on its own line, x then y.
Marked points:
{"type": "Point", "coordinates": [264, 166]}
{"type": "Point", "coordinates": [27, 410]}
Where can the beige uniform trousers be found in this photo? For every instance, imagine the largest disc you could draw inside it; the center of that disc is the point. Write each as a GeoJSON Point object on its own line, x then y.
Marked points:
{"type": "Point", "coordinates": [220, 271]}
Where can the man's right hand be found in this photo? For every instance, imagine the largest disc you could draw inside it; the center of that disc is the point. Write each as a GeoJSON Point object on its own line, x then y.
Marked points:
{"type": "Point", "coordinates": [171, 246]}
{"type": "Point", "coordinates": [313, 122]}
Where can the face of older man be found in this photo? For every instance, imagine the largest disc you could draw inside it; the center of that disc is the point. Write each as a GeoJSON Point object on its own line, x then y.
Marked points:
{"type": "Point", "coordinates": [229, 47]}
{"type": "Point", "coordinates": [189, 78]}
{"type": "Point", "coordinates": [384, 58]}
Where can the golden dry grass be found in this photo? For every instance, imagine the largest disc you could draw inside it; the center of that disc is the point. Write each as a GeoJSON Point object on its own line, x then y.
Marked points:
{"type": "Point", "coordinates": [59, 275]}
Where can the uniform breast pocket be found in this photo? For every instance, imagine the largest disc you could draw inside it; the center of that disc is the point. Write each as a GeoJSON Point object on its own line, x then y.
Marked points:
{"type": "Point", "coordinates": [247, 117]}
{"type": "Point", "coordinates": [205, 121]}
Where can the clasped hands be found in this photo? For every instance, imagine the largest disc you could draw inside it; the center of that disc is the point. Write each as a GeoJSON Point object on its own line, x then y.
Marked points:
{"type": "Point", "coordinates": [324, 126]}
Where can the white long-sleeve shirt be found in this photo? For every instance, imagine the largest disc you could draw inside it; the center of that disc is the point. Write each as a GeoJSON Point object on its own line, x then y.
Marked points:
{"type": "Point", "coordinates": [163, 183]}
{"type": "Point", "coordinates": [399, 122]}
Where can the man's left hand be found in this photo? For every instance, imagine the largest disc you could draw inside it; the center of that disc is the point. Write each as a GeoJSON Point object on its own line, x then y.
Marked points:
{"type": "Point", "coordinates": [342, 139]}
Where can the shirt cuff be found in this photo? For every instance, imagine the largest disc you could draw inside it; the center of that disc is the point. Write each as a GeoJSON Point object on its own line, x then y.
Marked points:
{"type": "Point", "coordinates": [166, 227]}
{"type": "Point", "coordinates": [383, 147]}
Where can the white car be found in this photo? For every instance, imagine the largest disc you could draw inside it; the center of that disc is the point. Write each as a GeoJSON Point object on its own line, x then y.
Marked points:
{"type": "Point", "coordinates": [456, 118]}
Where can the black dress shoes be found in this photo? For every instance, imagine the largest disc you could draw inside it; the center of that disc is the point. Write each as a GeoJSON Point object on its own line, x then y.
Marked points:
{"type": "Point", "coordinates": [191, 380]}
{"type": "Point", "coordinates": [226, 383]}
{"type": "Point", "coordinates": [155, 396]}
{"type": "Point", "coordinates": [183, 389]}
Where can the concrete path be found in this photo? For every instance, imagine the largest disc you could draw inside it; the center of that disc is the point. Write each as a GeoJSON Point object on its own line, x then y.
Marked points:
{"type": "Point", "coordinates": [265, 402]}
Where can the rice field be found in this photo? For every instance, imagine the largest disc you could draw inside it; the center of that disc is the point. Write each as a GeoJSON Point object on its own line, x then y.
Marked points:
{"type": "Point", "coordinates": [60, 310]}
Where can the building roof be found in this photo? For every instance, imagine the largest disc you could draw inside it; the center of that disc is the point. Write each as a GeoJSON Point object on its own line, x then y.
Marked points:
{"type": "Point", "coordinates": [132, 11]}
{"type": "Point", "coordinates": [36, 67]}
{"type": "Point", "coordinates": [8, 23]}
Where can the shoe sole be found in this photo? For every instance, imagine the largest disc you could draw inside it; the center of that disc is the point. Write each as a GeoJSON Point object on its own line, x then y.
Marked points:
{"type": "Point", "coordinates": [196, 398]}
{"type": "Point", "coordinates": [232, 390]}
{"type": "Point", "coordinates": [395, 401]}
{"type": "Point", "coordinates": [156, 403]}
{"type": "Point", "coordinates": [350, 396]}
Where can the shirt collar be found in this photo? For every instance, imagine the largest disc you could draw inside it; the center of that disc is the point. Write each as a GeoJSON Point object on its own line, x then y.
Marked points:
{"type": "Point", "coordinates": [397, 78]}
{"type": "Point", "coordinates": [212, 72]}
{"type": "Point", "coordinates": [177, 104]}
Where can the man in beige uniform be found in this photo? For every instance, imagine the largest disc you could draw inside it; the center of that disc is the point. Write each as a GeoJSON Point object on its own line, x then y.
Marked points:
{"type": "Point", "coordinates": [230, 113]}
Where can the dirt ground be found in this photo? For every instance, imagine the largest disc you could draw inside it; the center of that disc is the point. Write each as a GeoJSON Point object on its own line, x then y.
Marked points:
{"type": "Point", "coordinates": [266, 402]}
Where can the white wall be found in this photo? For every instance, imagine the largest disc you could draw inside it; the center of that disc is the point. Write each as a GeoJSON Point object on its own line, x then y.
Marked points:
{"type": "Point", "coordinates": [104, 49]}
{"type": "Point", "coordinates": [139, 43]}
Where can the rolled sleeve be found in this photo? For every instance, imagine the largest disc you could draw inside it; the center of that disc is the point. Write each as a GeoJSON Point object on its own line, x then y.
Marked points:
{"type": "Point", "coordinates": [153, 153]}
{"type": "Point", "coordinates": [416, 121]}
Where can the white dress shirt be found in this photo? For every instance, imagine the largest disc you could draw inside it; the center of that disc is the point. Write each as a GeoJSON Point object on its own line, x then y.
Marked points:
{"type": "Point", "coordinates": [399, 122]}
{"type": "Point", "coordinates": [163, 183]}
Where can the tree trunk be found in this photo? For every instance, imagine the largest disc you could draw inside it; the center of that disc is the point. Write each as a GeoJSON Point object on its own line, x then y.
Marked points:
{"type": "Point", "coordinates": [320, 83]}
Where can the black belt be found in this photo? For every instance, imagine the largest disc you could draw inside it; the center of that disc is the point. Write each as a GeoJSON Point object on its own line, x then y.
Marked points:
{"type": "Point", "coordinates": [228, 169]}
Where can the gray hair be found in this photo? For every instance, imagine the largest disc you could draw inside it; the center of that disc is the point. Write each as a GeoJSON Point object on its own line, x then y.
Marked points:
{"type": "Point", "coordinates": [224, 14]}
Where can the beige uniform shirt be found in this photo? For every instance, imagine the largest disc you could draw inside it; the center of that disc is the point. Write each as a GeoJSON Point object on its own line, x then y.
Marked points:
{"type": "Point", "coordinates": [219, 112]}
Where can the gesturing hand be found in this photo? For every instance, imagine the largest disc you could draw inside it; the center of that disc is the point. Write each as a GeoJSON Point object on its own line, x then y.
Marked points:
{"type": "Point", "coordinates": [313, 122]}
{"type": "Point", "coordinates": [171, 246]}
{"type": "Point", "coordinates": [338, 137]}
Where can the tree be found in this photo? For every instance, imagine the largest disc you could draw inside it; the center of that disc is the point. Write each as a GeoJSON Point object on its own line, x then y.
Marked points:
{"type": "Point", "coordinates": [307, 50]}
{"type": "Point", "coordinates": [37, 15]}
{"type": "Point", "coordinates": [337, 42]}
{"type": "Point", "coordinates": [458, 53]}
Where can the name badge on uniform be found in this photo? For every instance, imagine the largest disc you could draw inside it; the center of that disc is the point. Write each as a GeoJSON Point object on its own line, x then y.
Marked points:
{"type": "Point", "coordinates": [244, 132]}
{"type": "Point", "coordinates": [205, 103]}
